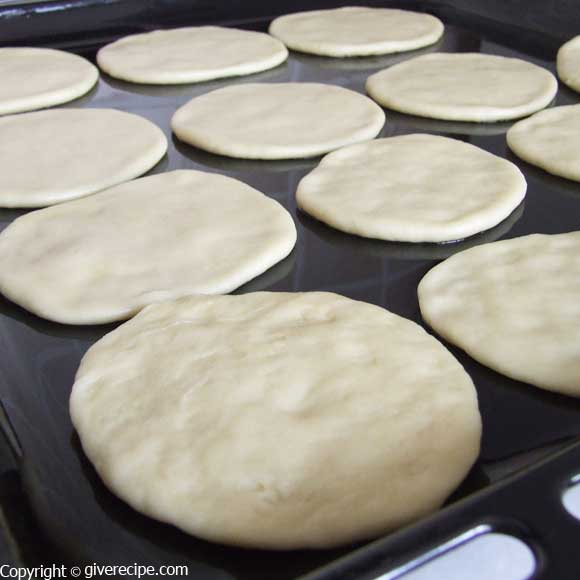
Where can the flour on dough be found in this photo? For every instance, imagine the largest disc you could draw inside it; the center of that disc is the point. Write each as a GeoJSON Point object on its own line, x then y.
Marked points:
{"type": "Point", "coordinates": [276, 420]}
{"type": "Point", "coordinates": [412, 188]}
{"type": "Point", "coordinates": [551, 140]}
{"type": "Point", "coordinates": [48, 157]}
{"type": "Point", "coordinates": [568, 63]}
{"type": "Point", "coordinates": [35, 78]}
{"type": "Point", "coordinates": [277, 120]}
{"type": "Point", "coordinates": [356, 31]}
{"type": "Point", "coordinates": [190, 55]}
{"type": "Point", "coordinates": [513, 306]}
{"type": "Point", "coordinates": [464, 87]}
{"type": "Point", "coordinates": [105, 257]}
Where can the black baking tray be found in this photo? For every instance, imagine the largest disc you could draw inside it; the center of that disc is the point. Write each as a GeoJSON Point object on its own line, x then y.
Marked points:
{"type": "Point", "coordinates": [528, 449]}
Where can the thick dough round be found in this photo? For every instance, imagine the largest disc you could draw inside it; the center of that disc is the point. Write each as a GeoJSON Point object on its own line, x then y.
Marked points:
{"type": "Point", "coordinates": [412, 188]}
{"type": "Point", "coordinates": [190, 55]}
{"type": "Point", "coordinates": [568, 63]}
{"type": "Point", "coordinates": [356, 31]}
{"type": "Point", "coordinates": [48, 157]}
{"type": "Point", "coordinates": [513, 306]}
{"type": "Point", "coordinates": [104, 258]}
{"type": "Point", "coordinates": [276, 420]}
{"type": "Point", "coordinates": [277, 121]}
{"type": "Point", "coordinates": [34, 78]}
{"type": "Point", "coordinates": [551, 140]}
{"type": "Point", "coordinates": [464, 87]}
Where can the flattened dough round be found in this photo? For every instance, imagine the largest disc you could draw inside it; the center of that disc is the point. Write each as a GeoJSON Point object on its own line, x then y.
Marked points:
{"type": "Point", "coordinates": [551, 140]}
{"type": "Point", "coordinates": [513, 306]}
{"type": "Point", "coordinates": [276, 420]}
{"type": "Point", "coordinates": [568, 63]}
{"type": "Point", "coordinates": [356, 31]}
{"type": "Point", "coordinates": [190, 55]}
{"type": "Point", "coordinates": [464, 87]}
{"type": "Point", "coordinates": [277, 121]}
{"type": "Point", "coordinates": [103, 258]}
{"type": "Point", "coordinates": [34, 78]}
{"type": "Point", "coordinates": [48, 157]}
{"type": "Point", "coordinates": [412, 188]}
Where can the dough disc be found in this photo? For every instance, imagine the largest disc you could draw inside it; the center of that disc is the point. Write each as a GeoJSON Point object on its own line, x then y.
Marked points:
{"type": "Point", "coordinates": [277, 121]}
{"type": "Point", "coordinates": [276, 420]}
{"type": "Point", "coordinates": [356, 31]}
{"type": "Point", "coordinates": [568, 63]}
{"type": "Point", "coordinates": [48, 157]}
{"type": "Point", "coordinates": [412, 188]}
{"type": "Point", "coordinates": [513, 306]}
{"type": "Point", "coordinates": [464, 87]}
{"type": "Point", "coordinates": [190, 55]}
{"type": "Point", "coordinates": [551, 140]}
{"type": "Point", "coordinates": [34, 78]}
{"type": "Point", "coordinates": [105, 257]}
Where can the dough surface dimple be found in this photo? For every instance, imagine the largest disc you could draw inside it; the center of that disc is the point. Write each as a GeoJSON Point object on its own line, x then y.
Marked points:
{"type": "Point", "coordinates": [464, 87]}
{"type": "Point", "coordinates": [513, 306]}
{"type": "Point", "coordinates": [277, 120]}
{"type": "Point", "coordinates": [568, 63]}
{"type": "Point", "coordinates": [551, 140]}
{"type": "Point", "coordinates": [190, 55]}
{"type": "Point", "coordinates": [356, 31]}
{"type": "Point", "coordinates": [105, 257]}
{"type": "Point", "coordinates": [276, 420]}
{"type": "Point", "coordinates": [35, 78]}
{"type": "Point", "coordinates": [412, 188]}
{"type": "Point", "coordinates": [48, 157]}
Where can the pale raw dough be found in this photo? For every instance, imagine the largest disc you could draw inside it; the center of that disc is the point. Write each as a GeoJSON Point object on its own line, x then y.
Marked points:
{"type": "Point", "coordinates": [412, 188]}
{"type": "Point", "coordinates": [190, 55]}
{"type": "Point", "coordinates": [34, 78]}
{"type": "Point", "coordinates": [356, 31]}
{"type": "Point", "coordinates": [464, 87]}
{"type": "Point", "coordinates": [513, 306]}
{"type": "Point", "coordinates": [47, 157]}
{"type": "Point", "coordinates": [277, 121]}
{"type": "Point", "coordinates": [568, 63]}
{"type": "Point", "coordinates": [105, 257]}
{"type": "Point", "coordinates": [551, 140]}
{"type": "Point", "coordinates": [276, 420]}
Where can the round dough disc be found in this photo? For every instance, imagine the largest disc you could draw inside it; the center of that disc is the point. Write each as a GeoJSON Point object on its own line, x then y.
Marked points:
{"type": "Point", "coordinates": [513, 306]}
{"type": "Point", "coordinates": [568, 63]}
{"type": "Point", "coordinates": [356, 31]}
{"type": "Point", "coordinates": [277, 121]}
{"type": "Point", "coordinates": [34, 78]}
{"type": "Point", "coordinates": [48, 157]}
{"type": "Point", "coordinates": [190, 55]}
{"type": "Point", "coordinates": [276, 420]}
{"type": "Point", "coordinates": [464, 87]}
{"type": "Point", "coordinates": [551, 140]}
{"type": "Point", "coordinates": [412, 188]}
{"type": "Point", "coordinates": [105, 257]}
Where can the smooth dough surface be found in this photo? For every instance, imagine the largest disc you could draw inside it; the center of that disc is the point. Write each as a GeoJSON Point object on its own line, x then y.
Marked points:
{"type": "Point", "coordinates": [105, 257]}
{"type": "Point", "coordinates": [464, 87]}
{"type": "Point", "coordinates": [356, 31]}
{"type": "Point", "coordinates": [34, 78]}
{"type": "Point", "coordinates": [189, 55]}
{"type": "Point", "coordinates": [48, 157]}
{"type": "Point", "coordinates": [513, 306]}
{"type": "Point", "coordinates": [551, 140]}
{"type": "Point", "coordinates": [412, 188]}
{"type": "Point", "coordinates": [277, 120]}
{"type": "Point", "coordinates": [568, 63]}
{"type": "Point", "coordinates": [276, 420]}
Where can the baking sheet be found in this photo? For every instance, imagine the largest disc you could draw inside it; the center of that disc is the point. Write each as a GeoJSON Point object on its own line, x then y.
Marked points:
{"type": "Point", "coordinates": [82, 518]}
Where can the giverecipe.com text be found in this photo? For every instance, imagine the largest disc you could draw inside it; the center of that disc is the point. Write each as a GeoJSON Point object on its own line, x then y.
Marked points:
{"type": "Point", "coordinates": [89, 571]}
